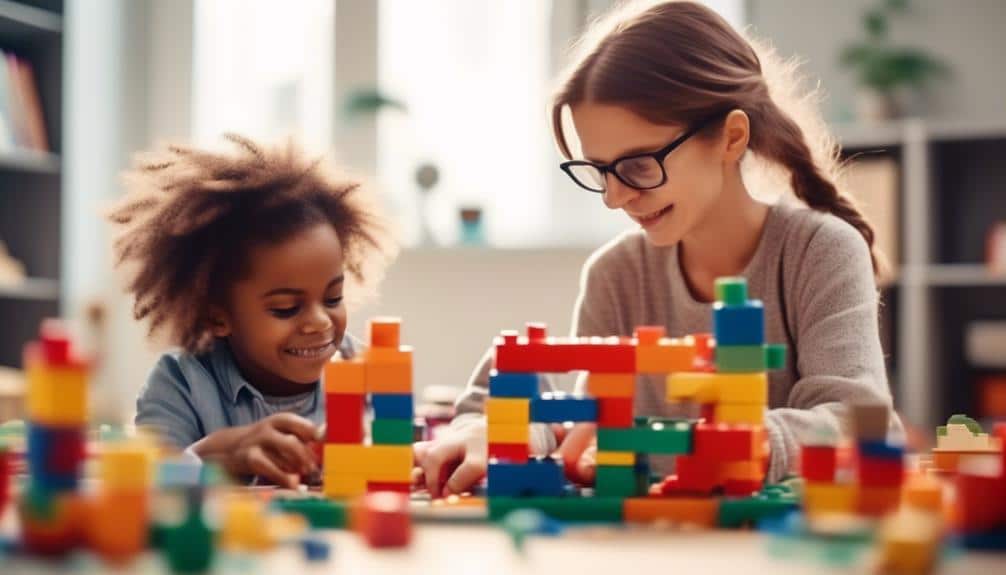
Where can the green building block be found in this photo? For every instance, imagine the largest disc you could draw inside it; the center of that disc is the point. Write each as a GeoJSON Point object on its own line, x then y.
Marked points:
{"type": "Point", "coordinates": [585, 509]}
{"type": "Point", "coordinates": [664, 437]}
{"type": "Point", "coordinates": [620, 481]}
{"type": "Point", "coordinates": [731, 290]}
{"type": "Point", "coordinates": [775, 356]}
{"type": "Point", "coordinates": [391, 431]}
{"type": "Point", "coordinates": [740, 358]}
{"type": "Point", "coordinates": [188, 547]}
{"type": "Point", "coordinates": [320, 513]}
{"type": "Point", "coordinates": [773, 501]}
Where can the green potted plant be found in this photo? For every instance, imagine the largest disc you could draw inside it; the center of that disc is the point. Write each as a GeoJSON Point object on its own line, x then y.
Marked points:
{"type": "Point", "coordinates": [890, 77]}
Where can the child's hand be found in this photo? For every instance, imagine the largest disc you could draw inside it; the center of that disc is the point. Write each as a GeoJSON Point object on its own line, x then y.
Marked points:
{"type": "Point", "coordinates": [579, 453]}
{"type": "Point", "coordinates": [454, 463]}
{"type": "Point", "coordinates": [275, 448]}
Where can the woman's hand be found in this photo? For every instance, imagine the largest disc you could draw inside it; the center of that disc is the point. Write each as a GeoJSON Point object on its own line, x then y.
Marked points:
{"type": "Point", "coordinates": [578, 450]}
{"type": "Point", "coordinates": [454, 463]}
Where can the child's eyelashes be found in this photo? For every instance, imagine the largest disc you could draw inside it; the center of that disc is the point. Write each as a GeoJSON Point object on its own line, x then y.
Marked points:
{"type": "Point", "coordinates": [333, 301]}
{"type": "Point", "coordinates": [287, 312]}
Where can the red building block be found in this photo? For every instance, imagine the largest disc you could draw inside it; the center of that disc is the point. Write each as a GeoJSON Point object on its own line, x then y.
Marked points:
{"type": "Point", "coordinates": [981, 503]}
{"type": "Point", "coordinates": [513, 452]}
{"type": "Point", "coordinates": [383, 520]}
{"type": "Point", "coordinates": [694, 475]}
{"type": "Point", "coordinates": [614, 411]}
{"type": "Point", "coordinates": [392, 486]}
{"type": "Point", "coordinates": [741, 487]}
{"type": "Point", "coordinates": [344, 418]}
{"type": "Point", "coordinates": [880, 472]}
{"type": "Point", "coordinates": [818, 463]}
{"type": "Point", "coordinates": [728, 442]}
{"type": "Point", "coordinates": [535, 353]}
{"type": "Point", "coordinates": [704, 347]}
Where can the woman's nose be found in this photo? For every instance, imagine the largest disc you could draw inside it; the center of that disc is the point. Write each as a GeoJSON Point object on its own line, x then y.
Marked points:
{"type": "Point", "coordinates": [617, 194]}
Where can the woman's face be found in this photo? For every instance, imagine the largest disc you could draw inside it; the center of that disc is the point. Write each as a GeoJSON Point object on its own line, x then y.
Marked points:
{"type": "Point", "coordinates": [695, 170]}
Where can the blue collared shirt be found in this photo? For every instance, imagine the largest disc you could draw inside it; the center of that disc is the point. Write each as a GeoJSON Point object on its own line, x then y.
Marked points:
{"type": "Point", "coordinates": [189, 396]}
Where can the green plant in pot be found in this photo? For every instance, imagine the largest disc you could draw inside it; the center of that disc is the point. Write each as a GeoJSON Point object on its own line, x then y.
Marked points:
{"type": "Point", "coordinates": [890, 78]}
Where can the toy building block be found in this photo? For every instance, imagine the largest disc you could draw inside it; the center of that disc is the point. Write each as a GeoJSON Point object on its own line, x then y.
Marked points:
{"type": "Point", "coordinates": [961, 436]}
{"type": "Point", "coordinates": [55, 456]}
{"type": "Point", "coordinates": [383, 520]}
{"type": "Point", "coordinates": [512, 452]}
{"type": "Point", "coordinates": [880, 472]}
{"type": "Point", "coordinates": [385, 332]}
{"type": "Point", "coordinates": [734, 388]}
{"type": "Point", "coordinates": [537, 353]}
{"type": "Point", "coordinates": [980, 505]}
{"type": "Point", "coordinates": [739, 413]}
{"type": "Point", "coordinates": [513, 384]}
{"type": "Point", "coordinates": [772, 502]}
{"type": "Point", "coordinates": [694, 387]}
{"type": "Point", "coordinates": [922, 492]}
{"type": "Point", "coordinates": [818, 463]}
{"type": "Point", "coordinates": [50, 522]}
{"type": "Point", "coordinates": [559, 407]}
{"type": "Point", "coordinates": [389, 370]}
{"type": "Point", "coordinates": [876, 501]}
{"type": "Point", "coordinates": [753, 470]}
{"type": "Point", "coordinates": [585, 509]}
{"type": "Point", "coordinates": [391, 431]}
{"type": "Point", "coordinates": [869, 420]}
{"type": "Point", "coordinates": [880, 450]}
{"type": "Point", "coordinates": [55, 396]}
{"type": "Point", "coordinates": [188, 546]}
{"type": "Point", "coordinates": [775, 356]}
{"type": "Point", "coordinates": [344, 485]}
{"type": "Point", "coordinates": [741, 358]}
{"type": "Point", "coordinates": [614, 411]}
{"type": "Point", "coordinates": [909, 542]}
{"type": "Point", "coordinates": [345, 376]}
{"type": "Point", "coordinates": [538, 477]}
{"type": "Point", "coordinates": [375, 462]}
{"type": "Point", "coordinates": [126, 467]}
{"type": "Point", "coordinates": [344, 418]}
{"type": "Point", "coordinates": [693, 475]}
{"type": "Point", "coordinates": [320, 513]}
{"type": "Point", "coordinates": [611, 385]}
{"type": "Point", "coordinates": [508, 410]}
{"type": "Point", "coordinates": [392, 405]}
{"type": "Point", "coordinates": [117, 524]}
{"type": "Point", "coordinates": [665, 355]}
{"type": "Point", "coordinates": [242, 527]}
{"type": "Point", "coordinates": [731, 290]}
{"type": "Point", "coordinates": [619, 481]}
{"type": "Point", "coordinates": [698, 511]}
{"type": "Point", "coordinates": [821, 498]}
{"type": "Point", "coordinates": [392, 486]}
{"type": "Point", "coordinates": [723, 442]}
{"type": "Point", "coordinates": [666, 437]}
{"type": "Point", "coordinates": [509, 433]}
{"type": "Point", "coordinates": [739, 325]}
{"type": "Point", "coordinates": [615, 458]}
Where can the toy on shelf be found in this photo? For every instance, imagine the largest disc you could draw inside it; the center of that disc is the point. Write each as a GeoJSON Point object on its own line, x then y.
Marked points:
{"type": "Point", "coordinates": [384, 375]}
{"type": "Point", "coordinates": [725, 453]}
{"type": "Point", "coordinates": [961, 437]}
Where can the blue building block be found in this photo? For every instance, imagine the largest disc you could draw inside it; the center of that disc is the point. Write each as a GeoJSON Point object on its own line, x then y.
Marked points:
{"type": "Point", "coordinates": [987, 541]}
{"type": "Point", "coordinates": [560, 407]}
{"type": "Point", "coordinates": [536, 478]}
{"type": "Point", "coordinates": [391, 405]}
{"type": "Point", "coordinates": [739, 324]}
{"type": "Point", "coordinates": [880, 450]}
{"type": "Point", "coordinates": [512, 384]}
{"type": "Point", "coordinates": [55, 456]}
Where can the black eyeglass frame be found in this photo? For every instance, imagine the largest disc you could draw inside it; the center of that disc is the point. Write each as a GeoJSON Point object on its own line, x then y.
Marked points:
{"type": "Point", "coordinates": [658, 155]}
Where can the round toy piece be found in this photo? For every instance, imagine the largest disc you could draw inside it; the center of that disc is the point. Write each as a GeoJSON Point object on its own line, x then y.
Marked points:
{"type": "Point", "coordinates": [383, 519]}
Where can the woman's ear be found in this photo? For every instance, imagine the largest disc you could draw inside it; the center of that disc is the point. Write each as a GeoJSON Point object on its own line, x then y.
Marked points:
{"type": "Point", "coordinates": [220, 325]}
{"type": "Point", "coordinates": [736, 133]}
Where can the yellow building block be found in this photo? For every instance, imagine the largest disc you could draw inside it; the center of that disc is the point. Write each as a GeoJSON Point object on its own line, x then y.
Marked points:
{"type": "Point", "coordinates": [126, 467]}
{"type": "Point", "coordinates": [753, 413]}
{"type": "Point", "coordinates": [742, 387]}
{"type": "Point", "coordinates": [343, 485]}
{"type": "Point", "coordinates": [696, 387]}
{"type": "Point", "coordinates": [615, 458]}
{"type": "Point", "coordinates": [373, 462]}
{"type": "Point", "coordinates": [829, 498]}
{"type": "Point", "coordinates": [508, 410]}
{"type": "Point", "coordinates": [910, 542]}
{"type": "Point", "coordinates": [667, 356]}
{"type": "Point", "coordinates": [56, 396]}
{"type": "Point", "coordinates": [242, 528]}
{"type": "Point", "coordinates": [509, 433]}
{"type": "Point", "coordinates": [345, 457]}
{"type": "Point", "coordinates": [611, 384]}
{"type": "Point", "coordinates": [345, 376]}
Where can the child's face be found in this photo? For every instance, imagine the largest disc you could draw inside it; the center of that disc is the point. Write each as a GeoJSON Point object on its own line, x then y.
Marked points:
{"type": "Point", "coordinates": [286, 319]}
{"type": "Point", "coordinates": [694, 170]}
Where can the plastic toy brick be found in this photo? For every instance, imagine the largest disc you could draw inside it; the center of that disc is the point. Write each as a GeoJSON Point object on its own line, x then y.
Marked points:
{"type": "Point", "coordinates": [392, 486]}
{"type": "Point", "coordinates": [392, 405]}
{"type": "Point", "coordinates": [376, 462]}
{"type": "Point", "coordinates": [666, 356]}
{"type": "Point", "coordinates": [741, 387]}
{"type": "Point", "coordinates": [189, 546]}
{"type": "Point", "coordinates": [316, 550]}
{"type": "Point", "coordinates": [775, 356]}
{"type": "Point", "coordinates": [320, 513]}
{"type": "Point", "coordinates": [559, 407]}
{"type": "Point", "coordinates": [986, 541]}
{"type": "Point", "coordinates": [541, 478]}
{"type": "Point", "coordinates": [728, 442]}
{"type": "Point", "coordinates": [869, 420]}
{"type": "Point", "coordinates": [513, 384]}
{"type": "Point", "coordinates": [344, 418]}
{"type": "Point", "coordinates": [752, 414]}
{"type": "Point", "coordinates": [383, 520]}
{"type": "Point", "coordinates": [829, 497]}
{"type": "Point", "coordinates": [696, 387]}
{"type": "Point", "coordinates": [512, 452]}
{"type": "Point", "coordinates": [614, 411]}
{"type": "Point", "coordinates": [391, 431]}
{"type": "Point", "coordinates": [880, 450]}
{"type": "Point", "coordinates": [615, 458]}
{"type": "Point", "coordinates": [922, 492]}
{"type": "Point", "coordinates": [910, 542]}
{"type": "Point", "coordinates": [534, 354]}
{"type": "Point", "coordinates": [753, 470]}
{"type": "Point", "coordinates": [128, 467]}
{"type": "Point", "coordinates": [731, 290]}
{"type": "Point", "coordinates": [741, 487]}
{"type": "Point", "coordinates": [649, 334]}
{"type": "Point", "coordinates": [876, 501]}
{"type": "Point", "coordinates": [742, 324]}
{"type": "Point", "coordinates": [701, 512]}
{"type": "Point", "coordinates": [55, 456]}
{"type": "Point", "coordinates": [584, 509]}
{"type": "Point", "coordinates": [347, 376]}
{"type": "Point", "coordinates": [957, 437]}
{"type": "Point", "coordinates": [56, 396]}
{"type": "Point", "coordinates": [619, 481]}
{"type": "Point", "coordinates": [694, 475]}
{"type": "Point", "coordinates": [54, 529]}
{"type": "Point", "coordinates": [389, 370]}
{"type": "Point", "coordinates": [818, 463]}
{"type": "Point", "coordinates": [980, 504]}
{"type": "Point", "coordinates": [880, 472]}
{"type": "Point", "coordinates": [657, 437]}
{"type": "Point", "coordinates": [385, 332]}
{"type": "Point", "coordinates": [344, 485]}
{"type": "Point", "coordinates": [117, 525]}
{"type": "Point", "coordinates": [509, 433]}
{"type": "Point", "coordinates": [740, 358]}
{"type": "Point", "coordinates": [508, 410]}
{"type": "Point", "coordinates": [605, 385]}
{"type": "Point", "coordinates": [737, 512]}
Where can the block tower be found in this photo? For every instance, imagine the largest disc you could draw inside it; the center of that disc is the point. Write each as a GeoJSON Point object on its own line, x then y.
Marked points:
{"type": "Point", "coordinates": [383, 374]}
{"type": "Point", "coordinates": [56, 406]}
{"type": "Point", "coordinates": [723, 452]}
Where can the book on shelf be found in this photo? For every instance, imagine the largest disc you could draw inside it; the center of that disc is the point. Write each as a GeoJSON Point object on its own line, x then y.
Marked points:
{"type": "Point", "coordinates": [22, 126]}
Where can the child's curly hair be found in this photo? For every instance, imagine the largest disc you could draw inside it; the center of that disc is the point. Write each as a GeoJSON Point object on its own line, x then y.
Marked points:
{"type": "Point", "coordinates": [190, 217]}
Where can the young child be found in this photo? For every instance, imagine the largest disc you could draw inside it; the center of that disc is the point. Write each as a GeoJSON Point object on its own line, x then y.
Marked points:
{"type": "Point", "coordinates": [241, 258]}
{"type": "Point", "coordinates": [666, 101]}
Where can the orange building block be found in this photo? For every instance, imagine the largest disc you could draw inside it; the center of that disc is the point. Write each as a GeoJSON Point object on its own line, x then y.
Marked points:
{"type": "Point", "coordinates": [347, 376]}
{"type": "Point", "coordinates": [611, 384]}
{"type": "Point", "coordinates": [666, 356]}
{"type": "Point", "coordinates": [877, 501]}
{"type": "Point", "coordinates": [385, 332]}
{"type": "Point", "coordinates": [389, 370]}
{"type": "Point", "coordinates": [383, 519]}
{"type": "Point", "coordinates": [117, 525]}
{"type": "Point", "coordinates": [923, 492]}
{"type": "Point", "coordinates": [701, 511]}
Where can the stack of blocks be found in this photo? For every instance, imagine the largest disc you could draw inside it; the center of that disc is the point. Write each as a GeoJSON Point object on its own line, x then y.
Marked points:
{"type": "Point", "coordinates": [980, 514]}
{"type": "Point", "coordinates": [866, 479]}
{"type": "Point", "coordinates": [961, 437]}
{"type": "Point", "coordinates": [56, 407]}
{"type": "Point", "coordinates": [120, 511]}
{"type": "Point", "coordinates": [384, 374]}
{"type": "Point", "coordinates": [725, 452]}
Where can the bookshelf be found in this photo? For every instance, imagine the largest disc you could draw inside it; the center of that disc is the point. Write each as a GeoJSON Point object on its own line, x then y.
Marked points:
{"type": "Point", "coordinates": [31, 197]}
{"type": "Point", "coordinates": [951, 190]}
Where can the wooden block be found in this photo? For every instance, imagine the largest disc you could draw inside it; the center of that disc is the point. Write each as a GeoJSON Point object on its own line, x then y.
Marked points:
{"type": "Point", "coordinates": [611, 384]}
{"type": "Point", "coordinates": [508, 410]}
{"type": "Point", "coordinates": [752, 414]}
{"type": "Point", "coordinates": [345, 376]}
{"type": "Point", "coordinates": [700, 511]}
{"type": "Point", "coordinates": [615, 458]}
{"type": "Point", "coordinates": [509, 433]}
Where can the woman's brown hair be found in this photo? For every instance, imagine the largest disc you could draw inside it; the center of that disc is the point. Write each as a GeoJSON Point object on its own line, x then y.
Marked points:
{"type": "Point", "coordinates": [190, 218]}
{"type": "Point", "coordinates": [679, 63]}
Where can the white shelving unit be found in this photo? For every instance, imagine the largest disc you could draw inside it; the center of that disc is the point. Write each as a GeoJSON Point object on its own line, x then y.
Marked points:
{"type": "Point", "coordinates": [919, 274]}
